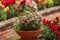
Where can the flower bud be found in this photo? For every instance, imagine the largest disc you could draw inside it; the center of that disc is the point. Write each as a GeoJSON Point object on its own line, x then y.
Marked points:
{"type": "Point", "coordinates": [6, 9]}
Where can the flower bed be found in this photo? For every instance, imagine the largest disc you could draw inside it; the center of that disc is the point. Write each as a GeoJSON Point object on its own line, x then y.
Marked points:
{"type": "Point", "coordinates": [10, 8]}
{"type": "Point", "coordinates": [51, 27]}
{"type": "Point", "coordinates": [3, 24]}
{"type": "Point", "coordinates": [6, 24]}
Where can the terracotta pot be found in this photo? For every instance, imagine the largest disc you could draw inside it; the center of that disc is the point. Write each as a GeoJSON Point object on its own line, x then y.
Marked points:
{"type": "Point", "coordinates": [29, 35]}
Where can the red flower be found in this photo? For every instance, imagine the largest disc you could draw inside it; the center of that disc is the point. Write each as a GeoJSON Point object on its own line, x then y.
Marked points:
{"type": "Point", "coordinates": [57, 18]}
{"type": "Point", "coordinates": [8, 2]}
{"type": "Point", "coordinates": [39, 2]}
{"type": "Point", "coordinates": [54, 27]}
{"type": "Point", "coordinates": [4, 3]}
{"type": "Point", "coordinates": [46, 22]}
{"type": "Point", "coordinates": [57, 30]}
{"type": "Point", "coordinates": [22, 3]}
{"type": "Point", "coordinates": [16, 8]}
{"type": "Point", "coordinates": [55, 22]}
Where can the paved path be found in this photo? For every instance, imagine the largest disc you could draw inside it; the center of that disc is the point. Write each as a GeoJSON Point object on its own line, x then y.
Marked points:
{"type": "Point", "coordinates": [52, 15]}
{"type": "Point", "coordinates": [8, 35]}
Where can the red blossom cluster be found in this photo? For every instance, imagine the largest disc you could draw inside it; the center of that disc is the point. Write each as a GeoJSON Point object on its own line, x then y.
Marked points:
{"type": "Point", "coordinates": [7, 2]}
{"type": "Point", "coordinates": [39, 2]}
{"type": "Point", "coordinates": [53, 25]}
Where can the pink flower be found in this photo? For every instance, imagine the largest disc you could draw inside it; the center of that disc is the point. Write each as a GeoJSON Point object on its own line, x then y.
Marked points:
{"type": "Point", "coordinates": [28, 21]}
{"type": "Point", "coordinates": [32, 18]}
{"type": "Point", "coordinates": [3, 6]}
{"type": "Point", "coordinates": [21, 21]}
{"type": "Point", "coordinates": [31, 3]}
{"type": "Point", "coordinates": [16, 8]}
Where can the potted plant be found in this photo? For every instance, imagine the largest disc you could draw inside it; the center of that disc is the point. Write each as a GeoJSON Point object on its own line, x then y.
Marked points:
{"type": "Point", "coordinates": [52, 29]}
{"type": "Point", "coordinates": [29, 27]}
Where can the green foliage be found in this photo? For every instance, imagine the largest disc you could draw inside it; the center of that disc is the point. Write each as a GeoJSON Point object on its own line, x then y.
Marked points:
{"type": "Point", "coordinates": [40, 7]}
{"type": "Point", "coordinates": [21, 9]}
{"type": "Point", "coordinates": [3, 15]}
{"type": "Point", "coordinates": [47, 34]}
{"type": "Point", "coordinates": [50, 3]}
{"type": "Point", "coordinates": [12, 13]}
{"type": "Point", "coordinates": [29, 22]}
{"type": "Point", "coordinates": [56, 2]}
{"type": "Point", "coordinates": [28, 8]}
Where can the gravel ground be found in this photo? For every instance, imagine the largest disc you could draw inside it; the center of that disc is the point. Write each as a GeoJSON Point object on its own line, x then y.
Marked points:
{"type": "Point", "coordinates": [52, 15]}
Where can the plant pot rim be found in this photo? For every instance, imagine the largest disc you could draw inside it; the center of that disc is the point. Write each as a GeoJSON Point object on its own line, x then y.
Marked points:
{"type": "Point", "coordinates": [30, 34]}
{"type": "Point", "coordinates": [41, 29]}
